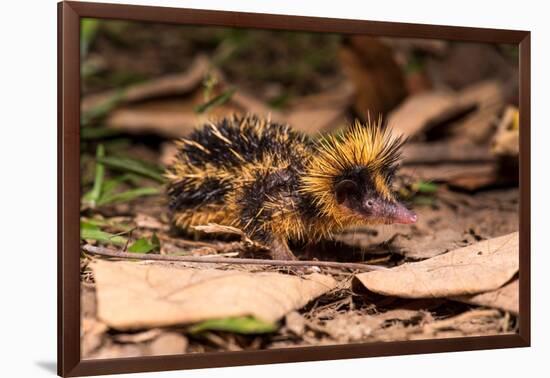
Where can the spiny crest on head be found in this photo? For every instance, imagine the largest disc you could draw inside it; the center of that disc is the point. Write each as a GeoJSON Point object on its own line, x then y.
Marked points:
{"type": "Point", "coordinates": [369, 145]}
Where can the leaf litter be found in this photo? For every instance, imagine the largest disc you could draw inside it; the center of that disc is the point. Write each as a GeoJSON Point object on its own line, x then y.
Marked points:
{"type": "Point", "coordinates": [341, 313]}
{"type": "Point", "coordinates": [455, 162]}
{"type": "Point", "coordinates": [476, 268]}
{"type": "Point", "coordinates": [167, 296]}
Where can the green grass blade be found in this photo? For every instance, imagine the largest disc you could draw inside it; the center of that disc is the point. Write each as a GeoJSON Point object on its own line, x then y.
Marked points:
{"type": "Point", "coordinates": [88, 31]}
{"type": "Point", "coordinates": [102, 109]}
{"type": "Point", "coordinates": [109, 186]}
{"type": "Point", "coordinates": [216, 101]}
{"type": "Point", "coordinates": [98, 223]}
{"type": "Point", "coordinates": [90, 233]}
{"type": "Point", "coordinates": [89, 225]}
{"type": "Point", "coordinates": [94, 195]}
{"type": "Point", "coordinates": [240, 324]}
{"type": "Point", "coordinates": [143, 245]}
{"type": "Point", "coordinates": [424, 187]}
{"type": "Point", "coordinates": [134, 166]}
{"type": "Point", "coordinates": [128, 195]}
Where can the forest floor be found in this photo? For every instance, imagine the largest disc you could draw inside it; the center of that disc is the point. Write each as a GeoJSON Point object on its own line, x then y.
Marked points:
{"type": "Point", "coordinates": [452, 274]}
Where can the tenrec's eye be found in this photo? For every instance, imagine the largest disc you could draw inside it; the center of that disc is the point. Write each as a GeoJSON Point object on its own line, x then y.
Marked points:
{"type": "Point", "coordinates": [344, 190]}
{"type": "Point", "coordinates": [369, 203]}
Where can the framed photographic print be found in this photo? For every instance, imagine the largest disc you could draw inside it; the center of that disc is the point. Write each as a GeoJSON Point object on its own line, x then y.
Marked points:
{"type": "Point", "coordinates": [239, 188]}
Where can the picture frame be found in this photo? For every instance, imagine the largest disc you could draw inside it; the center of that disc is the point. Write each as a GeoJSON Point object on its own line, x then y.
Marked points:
{"type": "Point", "coordinates": [69, 15]}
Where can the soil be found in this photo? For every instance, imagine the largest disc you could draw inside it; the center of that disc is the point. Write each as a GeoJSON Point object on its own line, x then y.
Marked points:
{"type": "Point", "coordinates": [349, 313]}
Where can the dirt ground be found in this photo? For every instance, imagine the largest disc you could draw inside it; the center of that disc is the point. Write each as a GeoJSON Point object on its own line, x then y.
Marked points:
{"type": "Point", "coordinates": [454, 101]}
{"type": "Point", "coordinates": [348, 313]}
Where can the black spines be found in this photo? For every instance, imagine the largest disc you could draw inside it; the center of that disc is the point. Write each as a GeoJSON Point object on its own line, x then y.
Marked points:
{"type": "Point", "coordinates": [237, 140]}
{"type": "Point", "coordinates": [217, 153]}
{"type": "Point", "coordinates": [210, 191]}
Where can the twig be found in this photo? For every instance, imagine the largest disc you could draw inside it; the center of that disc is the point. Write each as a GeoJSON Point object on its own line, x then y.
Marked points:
{"type": "Point", "coordinates": [102, 251]}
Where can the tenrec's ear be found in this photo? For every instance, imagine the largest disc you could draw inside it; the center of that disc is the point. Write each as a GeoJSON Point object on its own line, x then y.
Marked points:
{"type": "Point", "coordinates": [344, 190]}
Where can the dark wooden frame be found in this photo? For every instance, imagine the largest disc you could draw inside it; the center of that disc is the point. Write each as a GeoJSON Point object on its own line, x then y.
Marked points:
{"type": "Point", "coordinates": [69, 14]}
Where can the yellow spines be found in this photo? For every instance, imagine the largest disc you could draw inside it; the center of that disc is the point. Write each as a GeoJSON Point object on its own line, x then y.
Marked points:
{"type": "Point", "coordinates": [369, 146]}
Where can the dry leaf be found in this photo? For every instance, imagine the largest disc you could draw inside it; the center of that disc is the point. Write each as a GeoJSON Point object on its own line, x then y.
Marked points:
{"type": "Point", "coordinates": [313, 121]}
{"type": "Point", "coordinates": [505, 298]}
{"type": "Point", "coordinates": [466, 322]}
{"type": "Point", "coordinates": [477, 268]}
{"type": "Point", "coordinates": [169, 118]}
{"type": "Point", "coordinates": [478, 127]}
{"type": "Point", "coordinates": [426, 110]}
{"type": "Point", "coordinates": [133, 295]}
{"type": "Point", "coordinates": [409, 46]}
{"type": "Point", "coordinates": [173, 117]}
{"type": "Point", "coordinates": [295, 323]}
{"type": "Point", "coordinates": [213, 228]}
{"type": "Point", "coordinates": [169, 85]}
{"type": "Point", "coordinates": [251, 104]}
{"type": "Point", "coordinates": [139, 337]}
{"type": "Point", "coordinates": [450, 172]}
{"type": "Point", "coordinates": [88, 305]}
{"type": "Point", "coordinates": [168, 153]}
{"type": "Point", "coordinates": [370, 66]}
{"type": "Point", "coordinates": [322, 111]}
{"type": "Point", "coordinates": [445, 152]}
{"type": "Point", "coordinates": [427, 246]}
{"type": "Point", "coordinates": [466, 63]}
{"type": "Point", "coordinates": [93, 334]}
{"type": "Point", "coordinates": [168, 343]}
{"type": "Point", "coordinates": [465, 176]}
{"type": "Point", "coordinates": [146, 221]}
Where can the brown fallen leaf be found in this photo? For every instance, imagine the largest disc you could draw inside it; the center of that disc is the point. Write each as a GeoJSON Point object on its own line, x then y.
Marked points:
{"type": "Point", "coordinates": [467, 323]}
{"type": "Point", "coordinates": [370, 65]}
{"type": "Point", "coordinates": [404, 47]}
{"type": "Point", "coordinates": [168, 153]}
{"type": "Point", "coordinates": [248, 103]}
{"type": "Point", "coordinates": [93, 335]}
{"type": "Point", "coordinates": [172, 117]}
{"type": "Point", "coordinates": [469, 177]}
{"type": "Point", "coordinates": [470, 323]}
{"type": "Point", "coordinates": [478, 127]}
{"type": "Point", "coordinates": [427, 246]}
{"type": "Point", "coordinates": [477, 268]}
{"type": "Point", "coordinates": [139, 337]}
{"type": "Point", "coordinates": [146, 221]}
{"type": "Point", "coordinates": [417, 245]}
{"type": "Point", "coordinates": [445, 152]}
{"type": "Point", "coordinates": [505, 298]}
{"type": "Point", "coordinates": [169, 85]}
{"type": "Point", "coordinates": [168, 343]}
{"type": "Point", "coordinates": [465, 63]}
{"type": "Point", "coordinates": [449, 172]}
{"type": "Point", "coordinates": [295, 323]}
{"type": "Point", "coordinates": [426, 110]}
{"type": "Point", "coordinates": [471, 181]}
{"type": "Point", "coordinates": [322, 111]}
{"type": "Point", "coordinates": [88, 304]}
{"type": "Point", "coordinates": [213, 228]}
{"type": "Point", "coordinates": [134, 295]}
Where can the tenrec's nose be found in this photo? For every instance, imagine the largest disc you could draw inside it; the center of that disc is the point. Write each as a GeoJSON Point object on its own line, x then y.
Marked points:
{"type": "Point", "coordinates": [403, 215]}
